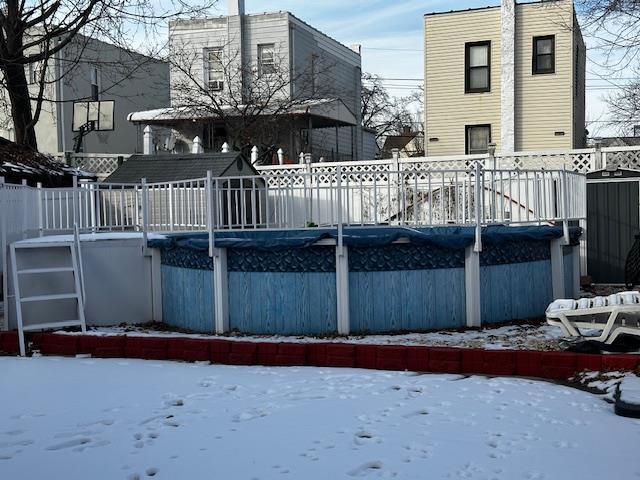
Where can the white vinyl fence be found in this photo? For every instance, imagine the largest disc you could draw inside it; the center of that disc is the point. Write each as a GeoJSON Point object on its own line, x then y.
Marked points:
{"type": "Point", "coordinates": [338, 197]}
{"type": "Point", "coordinates": [19, 219]}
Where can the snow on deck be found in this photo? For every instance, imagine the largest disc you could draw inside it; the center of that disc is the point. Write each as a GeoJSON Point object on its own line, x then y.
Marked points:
{"type": "Point", "coordinates": [133, 419]}
{"type": "Point", "coordinates": [92, 237]}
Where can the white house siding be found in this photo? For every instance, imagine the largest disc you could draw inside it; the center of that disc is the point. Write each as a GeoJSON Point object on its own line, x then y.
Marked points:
{"type": "Point", "coordinates": [46, 128]}
{"type": "Point", "coordinates": [193, 37]}
{"type": "Point", "coordinates": [342, 68]}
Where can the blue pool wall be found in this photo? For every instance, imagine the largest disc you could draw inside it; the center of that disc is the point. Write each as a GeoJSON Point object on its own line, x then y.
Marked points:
{"type": "Point", "coordinates": [393, 287]}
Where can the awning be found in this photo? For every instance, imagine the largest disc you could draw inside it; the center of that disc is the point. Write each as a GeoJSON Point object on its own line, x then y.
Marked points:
{"type": "Point", "coordinates": [324, 112]}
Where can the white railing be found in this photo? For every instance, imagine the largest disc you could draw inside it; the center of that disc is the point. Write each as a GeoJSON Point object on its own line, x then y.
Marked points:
{"type": "Point", "coordinates": [334, 198]}
{"type": "Point", "coordinates": [100, 164]}
{"type": "Point", "coordinates": [19, 219]}
{"type": "Point", "coordinates": [580, 160]}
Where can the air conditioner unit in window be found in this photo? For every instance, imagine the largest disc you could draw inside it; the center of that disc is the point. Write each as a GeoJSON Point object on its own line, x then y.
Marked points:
{"type": "Point", "coordinates": [216, 85]}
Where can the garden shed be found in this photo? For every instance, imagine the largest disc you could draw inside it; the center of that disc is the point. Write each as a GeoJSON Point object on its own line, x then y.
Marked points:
{"type": "Point", "coordinates": [613, 220]}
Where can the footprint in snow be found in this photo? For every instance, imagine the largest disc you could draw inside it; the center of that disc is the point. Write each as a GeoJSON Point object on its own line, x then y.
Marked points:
{"type": "Point", "coordinates": [76, 442]}
{"type": "Point", "coordinates": [364, 437]}
{"type": "Point", "coordinates": [365, 469]}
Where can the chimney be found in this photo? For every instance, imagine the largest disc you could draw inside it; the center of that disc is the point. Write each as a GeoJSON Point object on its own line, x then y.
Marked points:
{"type": "Point", "coordinates": [356, 47]}
{"type": "Point", "coordinates": [406, 130]}
{"type": "Point", "coordinates": [236, 7]}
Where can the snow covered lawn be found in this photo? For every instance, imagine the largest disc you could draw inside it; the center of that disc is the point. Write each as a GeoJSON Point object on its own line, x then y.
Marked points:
{"type": "Point", "coordinates": [72, 418]}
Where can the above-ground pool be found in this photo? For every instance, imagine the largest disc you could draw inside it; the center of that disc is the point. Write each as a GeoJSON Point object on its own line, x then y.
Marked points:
{"type": "Point", "coordinates": [398, 279]}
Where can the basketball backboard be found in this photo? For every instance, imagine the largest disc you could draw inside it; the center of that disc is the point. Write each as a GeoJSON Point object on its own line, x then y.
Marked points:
{"type": "Point", "coordinates": [93, 115]}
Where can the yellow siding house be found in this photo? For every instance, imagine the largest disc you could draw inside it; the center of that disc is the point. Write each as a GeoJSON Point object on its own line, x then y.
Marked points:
{"type": "Point", "coordinates": [513, 75]}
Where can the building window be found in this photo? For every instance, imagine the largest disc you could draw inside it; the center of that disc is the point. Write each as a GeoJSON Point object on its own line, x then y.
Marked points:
{"type": "Point", "coordinates": [266, 59]}
{"type": "Point", "coordinates": [34, 73]}
{"type": "Point", "coordinates": [95, 84]}
{"type": "Point", "coordinates": [477, 76]}
{"type": "Point", "coordinates": [544, 60]}
{"type": "Point", "coordinates": [478, 139]}
{"type": "Point", "coordinates": [214, 71]}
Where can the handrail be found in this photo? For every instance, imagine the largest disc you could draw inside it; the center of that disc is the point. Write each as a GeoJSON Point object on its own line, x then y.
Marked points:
{"type": "Point", "coordinates": [337, 198]}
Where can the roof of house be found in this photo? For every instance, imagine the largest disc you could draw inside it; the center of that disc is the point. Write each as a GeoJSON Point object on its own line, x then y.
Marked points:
{"type": "Point", "coordinates": [619, 141]}
{"type": "Point", "coordinates": [397, 141]}
{"type": "Point", "coordinates": [487, 7]}
{"type": "Point", "coordinates": [169, 168]}
{"type": "Point", "coordinates": [331, 110]}
{"type": "Point", "coordinates": [18, 162]}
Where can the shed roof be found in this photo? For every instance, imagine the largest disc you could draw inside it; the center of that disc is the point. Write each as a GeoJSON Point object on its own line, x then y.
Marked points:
{"type": "Point", "coordinates": [168, 168]}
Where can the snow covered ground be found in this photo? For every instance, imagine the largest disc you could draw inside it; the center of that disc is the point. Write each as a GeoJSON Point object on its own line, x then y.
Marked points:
{"type": "Point", "coordinates": [72, 418]}
{"type": "Point", "coordinates": [518, 337]}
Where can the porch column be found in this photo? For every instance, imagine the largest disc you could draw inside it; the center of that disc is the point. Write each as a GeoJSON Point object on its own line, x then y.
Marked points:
{"type": "Point", "coordinates": [337, 143]}
{"type": "Point", "coordinates": [310, 135]}
{"type": "Point", "coordinates": [147, 141]}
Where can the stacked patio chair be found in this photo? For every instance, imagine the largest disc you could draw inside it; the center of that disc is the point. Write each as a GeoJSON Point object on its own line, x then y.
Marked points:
{"type": "Point", "coordinates": [612, 316]}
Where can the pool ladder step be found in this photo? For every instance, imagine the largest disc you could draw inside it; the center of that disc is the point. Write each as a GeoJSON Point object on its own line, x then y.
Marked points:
{"type": "Point", "coordinates": [71, 263]}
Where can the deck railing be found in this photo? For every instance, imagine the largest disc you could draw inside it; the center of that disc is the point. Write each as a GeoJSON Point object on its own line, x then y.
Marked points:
{"type": "Point", "coordinates": [578, 160]}
{"type": "Point", "coordinates": [335, 198]}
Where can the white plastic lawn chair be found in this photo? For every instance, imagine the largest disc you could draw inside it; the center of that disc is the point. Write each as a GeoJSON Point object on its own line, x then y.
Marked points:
{"type": "Point", "coordinates": [613, 316]}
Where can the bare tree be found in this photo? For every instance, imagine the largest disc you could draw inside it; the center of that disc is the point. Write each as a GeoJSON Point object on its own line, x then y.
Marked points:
{"type": "Point", "coordinates": [33, 32]}
{"type": "Point", "coordinates": [614, 26]}
{"type": "Point", "coordinates": [256, 100]}
{"type": "Point", "coordinates": [389, 115]}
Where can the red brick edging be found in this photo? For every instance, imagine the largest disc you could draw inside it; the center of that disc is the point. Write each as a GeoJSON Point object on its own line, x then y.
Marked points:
{"type": "Point", "coordinates": [549, 365]}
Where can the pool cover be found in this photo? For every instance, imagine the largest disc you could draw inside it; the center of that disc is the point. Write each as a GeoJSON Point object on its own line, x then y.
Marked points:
{"type": "Point", "coordinates": [445, 237]}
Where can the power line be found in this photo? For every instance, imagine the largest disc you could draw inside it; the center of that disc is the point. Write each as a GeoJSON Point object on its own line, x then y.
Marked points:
{"type": "Point", "coordinates": [394, 49]}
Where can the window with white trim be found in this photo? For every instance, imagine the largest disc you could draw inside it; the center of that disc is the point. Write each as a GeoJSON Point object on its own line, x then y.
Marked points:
{"type": "Point", "coordinates": [214, 71]}
{"type": "Point", "coordinates": [266, 59]}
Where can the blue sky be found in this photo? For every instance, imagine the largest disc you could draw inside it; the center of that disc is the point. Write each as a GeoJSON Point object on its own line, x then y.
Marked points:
{"type": "Point", "coordinates": [391, 35]}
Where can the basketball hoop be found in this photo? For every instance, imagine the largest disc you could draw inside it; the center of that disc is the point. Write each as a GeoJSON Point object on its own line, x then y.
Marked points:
{"type": "Point", "coordinates": [89, 116]}
{"type": "Point", "coordinates": [99, 114]}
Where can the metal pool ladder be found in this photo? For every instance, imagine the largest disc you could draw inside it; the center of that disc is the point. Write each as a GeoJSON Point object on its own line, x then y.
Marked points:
{"type": "Point", "coordinates": [52, 259]}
